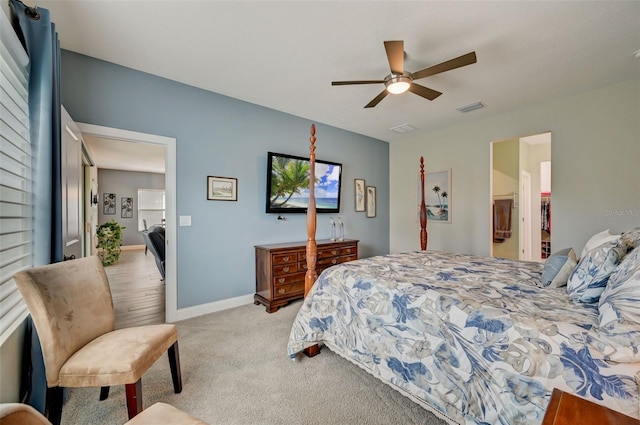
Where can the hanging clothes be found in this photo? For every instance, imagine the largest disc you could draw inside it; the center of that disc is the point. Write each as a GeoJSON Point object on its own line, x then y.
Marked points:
{"type": "Point", "coordinates": [545, 214]}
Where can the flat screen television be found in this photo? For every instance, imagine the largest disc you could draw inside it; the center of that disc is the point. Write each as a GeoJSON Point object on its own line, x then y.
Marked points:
{"type": "Point", "coordinates": [288, 184]}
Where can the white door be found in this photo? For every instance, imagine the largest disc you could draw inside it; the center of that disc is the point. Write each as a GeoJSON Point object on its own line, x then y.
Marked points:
{"type": "Point", "coordinates": [525, 217]}
{"type": "Point", "coordinates": [71, 188]}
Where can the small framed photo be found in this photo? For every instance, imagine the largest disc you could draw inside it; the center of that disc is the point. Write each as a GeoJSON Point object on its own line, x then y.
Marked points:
{"type": "Point", "coordinates": [360, 195]}
{"type": "Point", "coordinates": [108, 203]}
{"type": "Point", "coordinates": [222, 188]}
{"type": "Point", "coordinates": [371, 201]}
{"type": "Point", "coordinates": [126, 207]}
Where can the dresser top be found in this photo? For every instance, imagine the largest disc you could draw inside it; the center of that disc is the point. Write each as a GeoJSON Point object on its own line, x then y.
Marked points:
{"type": "Point", "coordinates": [302, 244]}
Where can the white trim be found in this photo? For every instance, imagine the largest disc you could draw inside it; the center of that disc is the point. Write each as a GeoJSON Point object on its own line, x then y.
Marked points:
{"type": "Point", "coordinates": [131, 247]}
{"type": "Point", "coordinates": [171, 277]}
{"type": "Point", "coordinates": [199, 310]}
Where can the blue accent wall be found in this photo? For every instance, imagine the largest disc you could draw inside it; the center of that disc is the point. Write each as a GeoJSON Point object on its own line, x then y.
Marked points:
{"type": "Point", "coordinates": [221, 136]}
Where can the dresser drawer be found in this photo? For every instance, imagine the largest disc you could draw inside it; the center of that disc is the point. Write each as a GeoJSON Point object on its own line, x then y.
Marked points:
{"type": "Point", "coordinates": [284, 258]}
{"type": "Point", "coordinates": [348, 258]}
{"type": "Point", "coordinates": [328, 262]}
{"type": "Point", "coordinates": [288, 278]}
{"type": "Point", "coordinates": [347, 250]}
{"type": "Point", "coordinates": [295, 288]}
{"type": "Point", "coordinates": [328, 252]}
{"type": "Point", "coordinates": [285, 269]}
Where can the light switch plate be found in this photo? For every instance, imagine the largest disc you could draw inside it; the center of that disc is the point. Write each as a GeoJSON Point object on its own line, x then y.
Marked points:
{"type": "Point", "coordinates": [185, 220]}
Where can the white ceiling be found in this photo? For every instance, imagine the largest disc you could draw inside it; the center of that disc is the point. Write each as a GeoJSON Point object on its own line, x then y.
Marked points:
{"type": "Point", "coordinates": [284, 55]}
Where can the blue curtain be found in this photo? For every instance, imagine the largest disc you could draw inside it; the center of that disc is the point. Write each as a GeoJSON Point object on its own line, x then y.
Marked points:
{"type": "Point", "coordinates": [40, 40]}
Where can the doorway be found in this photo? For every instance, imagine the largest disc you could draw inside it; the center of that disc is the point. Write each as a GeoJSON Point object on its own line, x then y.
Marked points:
{"type": "Point", "coordinates": [169, 144]}
{"type": "Point", "coordinates": [520, 175]}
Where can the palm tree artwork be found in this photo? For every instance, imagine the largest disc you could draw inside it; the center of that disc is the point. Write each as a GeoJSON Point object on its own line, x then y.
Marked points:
{"type": "Point", "coordinates": [288, 177]}
{"type": "Point", "coordinates": [438, 200]}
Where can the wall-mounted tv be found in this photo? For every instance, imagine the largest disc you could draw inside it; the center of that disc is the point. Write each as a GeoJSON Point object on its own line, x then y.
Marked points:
{"type": "Point", "coordinates": [288, 184]}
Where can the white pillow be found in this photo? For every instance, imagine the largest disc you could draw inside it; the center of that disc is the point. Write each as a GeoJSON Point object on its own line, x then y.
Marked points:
{"type": "Point", "coordinates": [597, 240]}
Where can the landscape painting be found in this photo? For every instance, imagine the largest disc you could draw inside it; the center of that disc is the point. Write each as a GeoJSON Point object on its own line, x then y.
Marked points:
{"type": "Point", "coordinates": [437, 193]}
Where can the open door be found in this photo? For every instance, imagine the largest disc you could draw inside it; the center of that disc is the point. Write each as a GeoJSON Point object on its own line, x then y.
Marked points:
{"type": "Point", "coordinates": [72, 193]}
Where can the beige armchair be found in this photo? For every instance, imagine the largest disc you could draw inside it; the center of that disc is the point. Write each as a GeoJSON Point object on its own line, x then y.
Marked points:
{"type": "Point", "coordinates": [159, 413]}
{"type": "Point", "coordinates": [72, 310]}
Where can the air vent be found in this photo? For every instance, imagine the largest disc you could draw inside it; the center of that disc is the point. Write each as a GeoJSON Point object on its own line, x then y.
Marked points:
{"type": "Point", "coordinates": [471, 107]}
{"type": "Point", "coordinates": [403, 128]}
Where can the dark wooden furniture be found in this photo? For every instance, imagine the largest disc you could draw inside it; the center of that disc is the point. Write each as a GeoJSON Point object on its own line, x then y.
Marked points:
{"type": "Point", "coordinates": [568, 409]}
{"type": "Point", "coordinates": [281, 268]}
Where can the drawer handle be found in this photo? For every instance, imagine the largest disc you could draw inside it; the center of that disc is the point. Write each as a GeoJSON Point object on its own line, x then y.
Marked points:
{"type": "Point", "coordinates": [334, 252]}
{"type": "Point", "coordinates": [334, 261]}
{"type": "Point", "coordinates": [285, 258]}
{"type": "Point", "coordinates": [281, 280]}
{"type": "Point", "coordinates": [281, 291]}
{"type": "Point", "coordinates": [285, 269]}
{"type": "Point", "coordinates": [348, 250]}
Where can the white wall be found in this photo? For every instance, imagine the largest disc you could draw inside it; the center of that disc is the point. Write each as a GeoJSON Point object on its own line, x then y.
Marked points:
{"type": "Point", "coordinates": [595, 174]}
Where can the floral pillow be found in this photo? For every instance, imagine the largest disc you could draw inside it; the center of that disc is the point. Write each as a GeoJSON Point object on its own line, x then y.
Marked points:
{"type": "Point", "coordinates": [558, 267]}
{"type": "Point", "coordinates": [589, 278]}
{"type": "Point", "coordinates": [619, 310]}
{"type": "Point", "coordinates": [631, 238]}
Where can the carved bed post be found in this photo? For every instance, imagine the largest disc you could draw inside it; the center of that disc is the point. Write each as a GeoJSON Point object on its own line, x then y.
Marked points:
{"type": "Point", "coordinates": [311, 276]}
{"type": "Point", "coordinates": [312, 248]}
{"type": "Point", "coordinates": [423, 210]}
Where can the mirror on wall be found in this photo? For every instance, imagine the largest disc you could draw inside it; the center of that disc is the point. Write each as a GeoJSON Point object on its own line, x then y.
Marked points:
{"type": "Point", "coordinates": [520, 218]}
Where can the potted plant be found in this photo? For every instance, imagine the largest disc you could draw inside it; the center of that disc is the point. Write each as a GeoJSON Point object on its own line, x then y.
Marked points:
{"type": "Point", "coordinates": [109, 237]}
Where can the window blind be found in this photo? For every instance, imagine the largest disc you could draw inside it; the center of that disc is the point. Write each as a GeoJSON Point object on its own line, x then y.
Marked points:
{"type": "Point", "coordinates": [16, 222]}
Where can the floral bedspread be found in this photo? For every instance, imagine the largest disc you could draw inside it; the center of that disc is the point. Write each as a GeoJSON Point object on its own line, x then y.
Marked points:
{"type": "Point", "coordinates": [474, 338]}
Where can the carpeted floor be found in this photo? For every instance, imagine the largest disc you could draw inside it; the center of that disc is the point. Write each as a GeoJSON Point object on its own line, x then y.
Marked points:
{"type": "Point", "coordinates": [235, 370]}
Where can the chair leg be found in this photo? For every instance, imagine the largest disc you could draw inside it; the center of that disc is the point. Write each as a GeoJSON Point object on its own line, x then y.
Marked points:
{"type": "Point", "coordinates": [134, 398]}
{"type": "Point", "coordinates": [174, 363]}
{"type": "Point", "coordinates": [53, 408]}
{"type": "Point", "coordinates": [104, 393]}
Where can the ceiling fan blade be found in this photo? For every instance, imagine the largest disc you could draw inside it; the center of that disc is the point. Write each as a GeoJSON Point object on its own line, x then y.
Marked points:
{"type": "Point", "coordinates": [423, 91]}
{"type": "Point", "coordinates": [377, 99]}
{"type": "Point", "coordinates": [346, 83]}
{"type": "Point", "coordinates": [458, 62]}
{"type": "Point", "coordinates": [395, 55]}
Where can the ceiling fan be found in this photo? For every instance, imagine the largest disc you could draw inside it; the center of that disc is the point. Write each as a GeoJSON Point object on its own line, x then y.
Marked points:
{"type": "Point", "coordinates": [400, 80]}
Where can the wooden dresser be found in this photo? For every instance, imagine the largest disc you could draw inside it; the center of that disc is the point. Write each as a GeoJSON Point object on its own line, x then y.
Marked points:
{"type": "Point", "coordinates": [280, 268]}
{"type": "Point", "coordinates": [568, 409]}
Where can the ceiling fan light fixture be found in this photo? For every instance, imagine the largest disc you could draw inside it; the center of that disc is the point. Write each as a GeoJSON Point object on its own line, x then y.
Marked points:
{"type": "Point", "coordinates": [398, 84]}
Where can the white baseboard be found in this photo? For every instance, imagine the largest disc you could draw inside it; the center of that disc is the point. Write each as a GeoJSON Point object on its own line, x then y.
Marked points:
{"type": "Point", "coordinates": [131, 247]}
{"type": "Point", "coordinates": [199, 310]}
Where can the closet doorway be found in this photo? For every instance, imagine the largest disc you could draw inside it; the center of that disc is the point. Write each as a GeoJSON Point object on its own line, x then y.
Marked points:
{"type": "Point", "coordinates": [520, 198]}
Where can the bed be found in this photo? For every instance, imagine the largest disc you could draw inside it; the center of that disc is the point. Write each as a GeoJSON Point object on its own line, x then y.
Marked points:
{"type": "Point", "coordinates": [479, 340]}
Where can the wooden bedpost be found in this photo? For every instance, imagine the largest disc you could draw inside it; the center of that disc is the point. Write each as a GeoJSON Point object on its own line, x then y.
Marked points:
{"type": "Point", "coordinates": [423, 210]}
{"type": "Point", "coordinates": [312, 248]}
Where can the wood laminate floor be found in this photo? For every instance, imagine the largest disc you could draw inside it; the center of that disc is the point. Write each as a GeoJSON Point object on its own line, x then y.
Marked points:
{"type": "Point", "coordinates": [137, 290]}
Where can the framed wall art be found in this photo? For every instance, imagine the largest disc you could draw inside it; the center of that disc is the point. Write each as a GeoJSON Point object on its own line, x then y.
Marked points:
{"type": "Point", "coordinates": [360, 195]}
{"type": "Point", "coordinates": [126, 207]}
{"type": "Point", "coordinates": [222, 188]}
{"type": "Point", "coordinates": [371, 201]}
{"type": "Point", "coordinates": [437, 193]}
{"type": "Point", "coordinates": [108, 203]}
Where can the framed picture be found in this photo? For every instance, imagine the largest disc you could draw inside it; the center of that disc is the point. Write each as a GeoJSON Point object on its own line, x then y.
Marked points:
{"type": "Point", "coordinates": [126, 207]}
{"type": "Point", "coordinates": [360, 195]}
{"type": "Point", "coordinates": [371, 201]}
{"type": "Point", "coordinates": [108, 203]}
{"type": "Point", "coordinates": [222, 188]}
{"type": "Point", "coordinates": [437, 193]}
